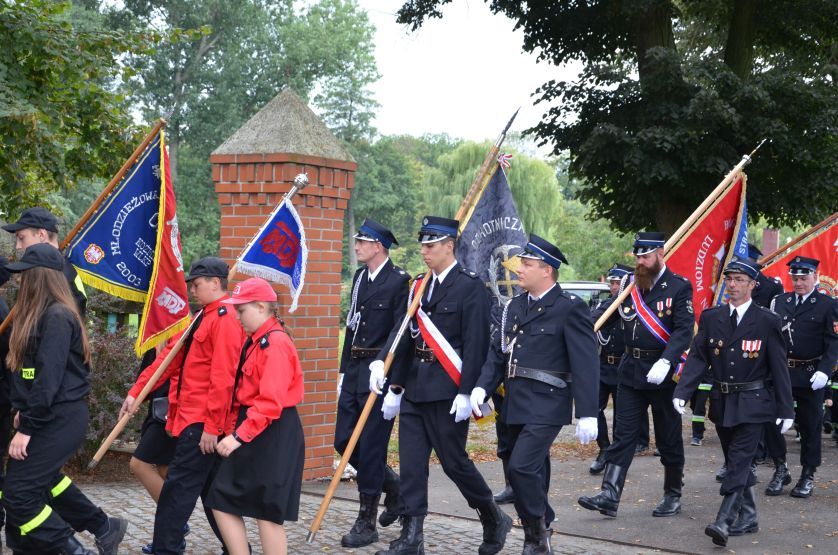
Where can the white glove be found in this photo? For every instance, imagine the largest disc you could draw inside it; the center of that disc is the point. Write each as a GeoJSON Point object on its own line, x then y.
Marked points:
{"type": "Point", "coordinates": [678, 404]}
{"type": "Point", "coordinates": [340, 383]}
{"type": "Point", "coordinates": [391, 404]}
{"type": "Point", "coordinates": [658, 372]}
{"type": "Point", "coordinates": [377, 376]}
{"type": "Point", "coordinates": [478, 395]}
{"type": "Point", "coordinates": [818, 380]}
{"type": "Point", "coordinates": [462, 407]}
{"type": "Point", "coordinates": [586, 429]}
{"type": "Point", "coordinates": [786, 424]}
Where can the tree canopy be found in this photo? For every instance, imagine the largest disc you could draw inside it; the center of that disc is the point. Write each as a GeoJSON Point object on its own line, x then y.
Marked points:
{"type": "Point", "coordinates": [672, 93]}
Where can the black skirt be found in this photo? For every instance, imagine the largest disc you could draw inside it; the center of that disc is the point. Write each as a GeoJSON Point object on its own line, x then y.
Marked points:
{"type": "Point", "coordinates": [262, 479]}
{"type": "Point", "coordinates": [155, 445]}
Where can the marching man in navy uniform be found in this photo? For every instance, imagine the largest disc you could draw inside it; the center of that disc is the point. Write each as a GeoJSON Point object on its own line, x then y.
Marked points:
{"type": "Point", "coordinates": [546, 358]}
{"type": "Point", "coordinates": [657, 321]}
{"type": "Point", "coordinates": [741, 342]}
{"type": "Point", "coordinates": [766, 288]}
{"type": "Point", "coordinates": [611, 349]}
{"type": "Point", "coordinates": [379, 303]}
{"type": "Point", "coordinates": [447, 346]}
{"type": "Point", "coordinates": [810, 330]}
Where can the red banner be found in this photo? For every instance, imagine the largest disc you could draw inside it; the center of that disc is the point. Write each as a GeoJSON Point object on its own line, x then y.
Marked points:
{"type": "Point", "coordinates": [701, 255]}
{"type": "Point", "coordinates": [166, 309]}
{"type": "Point", "coordinates": [823, 247]}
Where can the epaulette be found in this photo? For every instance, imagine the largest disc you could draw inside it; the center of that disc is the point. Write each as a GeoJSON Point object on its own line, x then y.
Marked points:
{"type": "Point", "coordinates": [714, 307]}
{"type": "Point", "coordinates": [399, 270]}
{"type": "Point", "coordinates": [469, 273]}
{"type": "Point", "coordinates": [222, 310]}
{"type": "Point", "coordinates": [264, 343]}
{"type": "Point", "coordinates": [682, 278]}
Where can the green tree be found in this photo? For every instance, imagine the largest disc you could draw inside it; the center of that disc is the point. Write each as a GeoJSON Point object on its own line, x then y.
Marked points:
{"type": "Point", "coordinates": [673, 93]}
{"type": "Point", "coordinates": [60, 119]}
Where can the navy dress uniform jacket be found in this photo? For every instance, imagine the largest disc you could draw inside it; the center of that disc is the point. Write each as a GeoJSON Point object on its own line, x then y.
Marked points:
{"type": "Point", "coordinates": [810, 331]}
{"type": "Point", "coordinates": [766, 288]}
{"type": "Point", "coordinates": [554, 334]}
{"type": "Point", "coordinates": [382, 305]}
{"type": "Point", "coordinates": [611, 342]}
{"type": "Point", "coordinates": [459, 308]}
{"type": "Point", "coordinates": [678, 318]}
{"type": "Point", "coordinates": [722, 348]}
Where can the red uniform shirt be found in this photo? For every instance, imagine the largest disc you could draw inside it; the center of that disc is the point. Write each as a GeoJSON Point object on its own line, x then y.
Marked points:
{"type": "Point", "coordinates": [271, 380]}
{"type": "Point", "coordinates": [207, 374]}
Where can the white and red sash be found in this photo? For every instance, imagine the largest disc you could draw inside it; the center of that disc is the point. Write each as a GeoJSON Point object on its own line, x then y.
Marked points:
{"type": "Point", "coordinates": [442, 349]}
{"type": "Point", "coordinates": [653, 324]}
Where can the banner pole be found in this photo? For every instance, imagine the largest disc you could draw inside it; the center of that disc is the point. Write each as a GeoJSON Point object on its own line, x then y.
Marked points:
{"type": "Point", "coordinates": [814, 230]}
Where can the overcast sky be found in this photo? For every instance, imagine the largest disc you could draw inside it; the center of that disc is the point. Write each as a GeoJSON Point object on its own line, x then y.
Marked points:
{"type": "Point", "coordinates": [464, 74]}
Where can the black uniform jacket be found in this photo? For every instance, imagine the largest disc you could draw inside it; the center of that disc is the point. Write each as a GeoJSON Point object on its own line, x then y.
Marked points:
{"type": "Point", "coordinates": [460, 310]}
{"type": "Point", "coordinates": [554, 334]}
{"type": "Point", "coordinates": [673, 294]}
{"type": "Point", "coordinates": [382, 305]}
{"type": "Point", "coordinates": [766, 288]}
{"type": "Point", "coordinates": [733, 358]}
{"type": "Point", "coordinates": [810, 332]}
{"type": "Point", "coordinates": [610, 340]}
{"type": "Point", "coordinates": [53, 372]}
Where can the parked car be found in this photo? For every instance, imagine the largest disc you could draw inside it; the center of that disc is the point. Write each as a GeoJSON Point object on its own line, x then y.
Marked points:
{"type": "Point", "coordinates": [590, 291]}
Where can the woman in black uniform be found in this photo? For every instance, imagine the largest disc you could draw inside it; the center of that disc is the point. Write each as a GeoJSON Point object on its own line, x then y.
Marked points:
{"type": "Point", "coordinates": [48, 357]}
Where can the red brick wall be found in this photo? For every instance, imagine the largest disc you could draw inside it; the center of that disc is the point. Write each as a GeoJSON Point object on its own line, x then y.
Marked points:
{"type": "Point", "coordinates": [249, 187]}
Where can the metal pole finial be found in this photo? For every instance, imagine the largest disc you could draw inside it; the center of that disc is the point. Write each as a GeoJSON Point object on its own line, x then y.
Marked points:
{"type": "Point", "coordinates": [301, 181]}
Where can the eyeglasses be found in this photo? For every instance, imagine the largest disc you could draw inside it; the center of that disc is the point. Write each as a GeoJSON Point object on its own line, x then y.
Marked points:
{"type": "Point", "coordinates": [737, 280]}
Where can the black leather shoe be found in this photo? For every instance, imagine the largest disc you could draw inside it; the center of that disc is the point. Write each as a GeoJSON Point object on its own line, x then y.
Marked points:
{"type": "Point", "coordinates": [599, 463]}
{"type": "Point", "coordinates": [411, 541]}
{"type": "Point", "coordinates": [393, 505]}
{"type": "Point", "coordinates": [108, 543]}
{"type": "Point", "coordinates": [746, 522]}
{"type": "Point", "coordinates": [74, 547]}
{"type": "Point", "coordinates": [641, 449]}
{"type": "Point", "coordinates": [363, 532]}
{"type": "Point", "coordinates": [781, 478]}
{"type": "Point", "coordinates": [719, 530]}
{"type": "Point", "coordinates": [505, 496]}
{"type": "Point", "coordinates": [608, 500]}
{"type": "Point", "coordinates": [805, 485]}
{"type": "Point", "coordinates": [536, 537]}
{"type": "Point", "coordinates": [721, 473]}
{"type": "Point", "coordinates": [496, 526]}
{"type": "Point", "coordinates": [670, 505]}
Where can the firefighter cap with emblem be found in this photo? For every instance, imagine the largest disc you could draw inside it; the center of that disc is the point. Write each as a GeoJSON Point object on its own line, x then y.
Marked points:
{"type": "Point", "coordinates": [436, 229]}
{"type": "Point", "coordinates": [373, 231]}
{"type": "Point", "coordinates": [538, 248]}
{"type": "Point", "coordinates": [647, 241]}
{"type": "Point", "coordinates": [802, 266]}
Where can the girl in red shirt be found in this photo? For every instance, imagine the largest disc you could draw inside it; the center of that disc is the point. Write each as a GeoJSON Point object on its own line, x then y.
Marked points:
{"type": "Point", "coordinates": [264, 452]}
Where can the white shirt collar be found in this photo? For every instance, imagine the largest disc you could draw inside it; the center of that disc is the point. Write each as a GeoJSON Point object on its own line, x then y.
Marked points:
{"type": "Point", "coordinates": [542, 295]}
{"type": "Point", "coordinates": [371, 275]}
{"type": "Point", "coordinates": [441, 276]}
{"type": "Point", "coordinates": [741, 309]}
{"type": "Point", "coordinates": [806, 296]}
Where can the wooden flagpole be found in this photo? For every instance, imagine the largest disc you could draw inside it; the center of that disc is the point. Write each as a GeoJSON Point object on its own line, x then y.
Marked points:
{"type": "Point", "coordinates": [815, 230]}
{"type": "Point", "coordinates": [684, 229]}
{"type": "Point", "coordinates": [480, 180]}
{"type": "Point", "coordinates": [96, 203]}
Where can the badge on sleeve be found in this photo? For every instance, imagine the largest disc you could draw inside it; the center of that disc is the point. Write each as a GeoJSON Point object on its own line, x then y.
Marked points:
{"type": "Point", "coordinates": [222, 310]}
{"type": "Point", "coordinates": [263, 343]}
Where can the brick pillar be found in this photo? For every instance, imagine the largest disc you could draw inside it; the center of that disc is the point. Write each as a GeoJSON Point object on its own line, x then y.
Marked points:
{"type": "Point", "coordinates": [770, 240]}
{"type": "Point", "coordinates": [249, 186]}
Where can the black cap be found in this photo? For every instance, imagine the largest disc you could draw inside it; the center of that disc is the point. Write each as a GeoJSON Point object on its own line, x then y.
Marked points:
{"type": "Point", "coordinates": [541, 249]}
{"type": "Point", "coordinates": [209, 266]}
{"type": "Point", "coordinates": [802, 266]}
{"type": "Point", "coordinates": [374, 231]}
{"type": "Point", "coordinates": [36, 218]}
{"type": "Point", "coordinates": [41, 255]}
{"type": "Point", "coordinates": [617, 271]}
{"type": "Point", "coordinates": [754, 252]}
{"type": "Point", "coordinates": [436, 229]}
{"type": "Point", "coordinates": [647, 241]}
{"type": "Point", "coordinates": [747, 266]}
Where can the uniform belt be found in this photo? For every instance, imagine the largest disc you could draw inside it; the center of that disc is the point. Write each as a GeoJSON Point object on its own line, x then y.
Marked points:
{"type": "Point", "coordinates": [799, 363]}
{"type": "Point", "coordinates": [726, 387]}
{"type": "Point", "coordinates": [362, 352]}
{"type": "Point", "coordinates": [613, 360]}
{"type": "Point", "coordinates": [556, 379]}
{"type": "Point", "coordinates": [643, 354]}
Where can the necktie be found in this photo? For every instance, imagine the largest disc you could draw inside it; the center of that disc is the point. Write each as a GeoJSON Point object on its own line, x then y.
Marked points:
{"type": "Point", "coordinates": [247, 344]}
{"type": "Point", "coordinates": [434, 286]}
{"type": "Point", "coordinates": [186, 345]}
{"type": "Point", "coordinates": [799, 301]}
{"type": "Point", "coordinates": [733, 319]}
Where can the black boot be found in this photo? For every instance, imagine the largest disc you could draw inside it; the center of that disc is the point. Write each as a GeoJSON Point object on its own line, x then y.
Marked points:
{"type": "Point", "coordinates": [393, 505]}
{"type": "Point", "coordinates": [719, 530]}
{"type": "Point", "coordinates": [608, 500]}
{"type": "Point", "coordinates": [670, 505]}
{"type": "Point", "coordinates": [496, 525]}
{"type": "Point", "coordinates": [599, 463]}
{"type": "Point", "coordinates": [507, 495]}
{"type": "Point", "coordinates": [780, 478]}
{"type": "Point", "coordinates": [363, 532]}
{"type": "Point", "coordinates": [74, 547]}
{"type": "Point", "coordinates": [109, 538]}
{"type": "Point", "coordinates": [721, 473]}
{"type": "Point", "coordinates": [411, 541]}
{"type": "Point", "coordinates": [536, 537]}
{"type": "Point", "coordinates": [746, 522]}
{"type": "Point", "coordinates": [806, 484]}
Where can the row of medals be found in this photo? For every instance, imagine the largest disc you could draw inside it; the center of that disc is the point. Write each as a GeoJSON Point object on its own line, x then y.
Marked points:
{"type": "Point", "coordinates": [746, 354]}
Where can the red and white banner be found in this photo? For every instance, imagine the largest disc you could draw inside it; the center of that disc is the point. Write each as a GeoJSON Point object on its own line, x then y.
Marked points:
{"type": "Point", "coordinates": [823, 247]}
{"type": "Point", "coordinates": [701, 255]}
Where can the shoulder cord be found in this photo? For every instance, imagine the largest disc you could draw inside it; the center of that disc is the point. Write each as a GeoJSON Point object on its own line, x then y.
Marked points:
{"type": "Point", "coordinates": [414, 330]}
{"type": "Point", "coordinates": [633, 314]}
{"type": "Point", "coordinates": [354, 316]}
{"type": "Point", "coordinates": [505, 349]}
